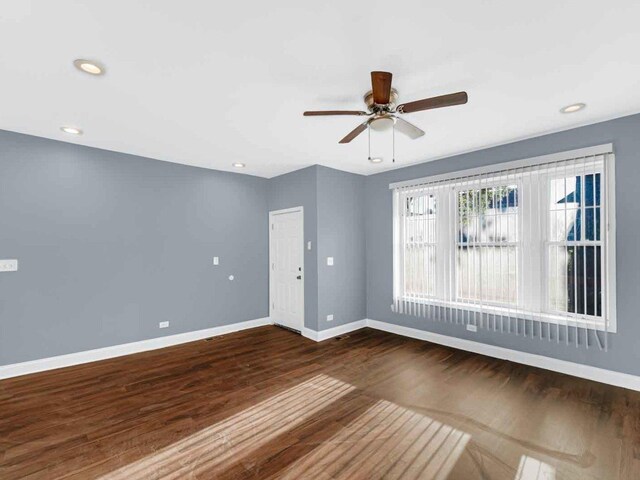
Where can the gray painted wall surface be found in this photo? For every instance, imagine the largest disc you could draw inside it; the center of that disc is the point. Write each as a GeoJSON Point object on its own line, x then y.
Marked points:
{"type": "Point", "coordinates": [111, 244]}
{"type": "Point", "coordinates": [624, 133]}
{"type": "Point", "coordinates": [341, 288]}
{"type": "Point", "coordinates": [334, 223]}
{"type": "Point", "coordinates": [297, 189]}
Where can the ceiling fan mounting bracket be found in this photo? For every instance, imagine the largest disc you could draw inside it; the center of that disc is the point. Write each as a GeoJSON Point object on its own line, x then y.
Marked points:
{"type": "Point", "coordinates": [376, 108]}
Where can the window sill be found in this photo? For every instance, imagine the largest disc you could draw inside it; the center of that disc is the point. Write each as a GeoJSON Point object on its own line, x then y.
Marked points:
{"type": "Point", "coordinates": [579, 321]}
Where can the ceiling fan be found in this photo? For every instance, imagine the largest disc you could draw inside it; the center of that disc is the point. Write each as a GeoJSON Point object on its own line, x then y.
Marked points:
{"type": "Point", "coordinates": [382, 110]}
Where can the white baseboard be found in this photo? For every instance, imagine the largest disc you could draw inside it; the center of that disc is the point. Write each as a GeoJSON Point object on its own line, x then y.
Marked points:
{"type": "Point", "coordinates": [610, 377]}
{"type": "Point", "coordinates": [51, 363]}
{"type": "Point", "coordinates": [310, 334]}
{"type": "Point", "coordinates": [333, 332]}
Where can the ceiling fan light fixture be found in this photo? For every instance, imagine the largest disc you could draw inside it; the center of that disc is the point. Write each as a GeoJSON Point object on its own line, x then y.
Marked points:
{"type": "Point", "coordinates": [238, 164]}
{"type": "Point", "coordinates": [375, 160]}
{"type": "Point", "coordinates": [382, 124]}
{"type": "Point", "coordinates": [575, 107]}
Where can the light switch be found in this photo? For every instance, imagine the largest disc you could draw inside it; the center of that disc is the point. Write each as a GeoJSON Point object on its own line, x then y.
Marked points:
{"type": "Point", "coordinates": [309, 245]}
{"type": "Point", "coordinates": [330, 261]}
{"type": "Point", "coordinates": [8, 265]}
{"type": "Point", "coordinates": [216, 261]}
{"type": "Point", "coordinates": [330, 317]}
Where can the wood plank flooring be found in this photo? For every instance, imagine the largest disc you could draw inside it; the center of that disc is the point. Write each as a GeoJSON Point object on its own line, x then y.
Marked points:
{"type": "Point", "coordinates": [267, 403]}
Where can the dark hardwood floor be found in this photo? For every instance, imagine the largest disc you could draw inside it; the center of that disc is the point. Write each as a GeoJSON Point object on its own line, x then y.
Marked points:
{"type": "Point", "coordinates": [267, 403]}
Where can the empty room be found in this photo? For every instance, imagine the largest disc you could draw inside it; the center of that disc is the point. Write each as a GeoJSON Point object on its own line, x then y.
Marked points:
{"type": "Point", "coordinates": [331, 240]}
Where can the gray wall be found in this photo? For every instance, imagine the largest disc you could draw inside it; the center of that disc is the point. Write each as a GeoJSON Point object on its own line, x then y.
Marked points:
{"type": "Point", "coordinates": [297, 189]}
{"type": "Point", "coordinates": [341, 288]}
{"type": "Point", "coordinates": [111, 244]}
{"type": "Point", "coordinates": [624, 133]}
{"type": "Point", "coordinates": [334, 223]}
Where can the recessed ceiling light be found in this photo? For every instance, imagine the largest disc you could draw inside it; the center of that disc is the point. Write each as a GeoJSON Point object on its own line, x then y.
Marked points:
{"type": "Point", "coordinates": [573, 108]}
{"type": "Point", "coordinates": [71, 130]}
{"type": "Point", "coordinates": [239, 165]}
{"type": "Point", "coordinates": [375, 160]}
{"type": "Point", "coordinates": [89, 66]}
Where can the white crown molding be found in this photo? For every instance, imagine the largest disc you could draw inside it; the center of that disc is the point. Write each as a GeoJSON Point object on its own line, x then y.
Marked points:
{"type": "Point", "coordinates": [596, 374]}
{"type": "Point", "coordinates": [51, 363]}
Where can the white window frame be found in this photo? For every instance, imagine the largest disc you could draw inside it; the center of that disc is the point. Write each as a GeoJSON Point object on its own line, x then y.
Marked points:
{"type": "Point", "coordinates": [537, 291]}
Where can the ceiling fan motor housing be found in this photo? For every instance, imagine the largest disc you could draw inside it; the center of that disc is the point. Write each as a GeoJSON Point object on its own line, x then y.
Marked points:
{"type": "Point", "coordinates": [375, 108]}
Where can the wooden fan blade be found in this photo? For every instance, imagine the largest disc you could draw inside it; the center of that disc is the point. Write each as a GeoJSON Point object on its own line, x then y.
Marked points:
{"type": "Point", "coordinates": [355, 132]}
{"type": "Point", "coordinates": [409, 129]}
{"type": "Point", "coordinates": [381, 87]}
{"type": "Point", "coordinates": [333, 112]}
{"type": "Point", "coordinates": [458, 98]}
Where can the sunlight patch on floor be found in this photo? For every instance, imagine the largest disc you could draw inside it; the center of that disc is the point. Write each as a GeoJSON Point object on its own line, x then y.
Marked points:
{"type": "Point", "coordinates": [533, 469]}
{"type": "Point", "coordinates": [236, 437]}
{"type": "Point", "coordinates": [386, 441]}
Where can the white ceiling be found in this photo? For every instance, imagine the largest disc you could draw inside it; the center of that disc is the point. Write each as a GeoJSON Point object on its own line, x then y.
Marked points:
{"type": "Point", "coordinates": [209, 83]}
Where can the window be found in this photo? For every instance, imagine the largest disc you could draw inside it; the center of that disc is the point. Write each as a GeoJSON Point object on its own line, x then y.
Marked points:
{"type": "Point", "coordinates": [487, 244]}
{"type": "Point", "coordinates": [574, 252]}
{"type": "Point", "coordinates": [420, 245]}
{"type": "Point", "coordinates": [528, 240]}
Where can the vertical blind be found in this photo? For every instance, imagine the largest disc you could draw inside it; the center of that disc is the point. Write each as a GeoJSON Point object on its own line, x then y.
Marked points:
{"type": "Point", "coordinates": [523, 248]}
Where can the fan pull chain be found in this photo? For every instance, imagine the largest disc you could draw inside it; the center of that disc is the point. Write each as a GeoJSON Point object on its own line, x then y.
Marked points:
{"type": "Point", "coordinates": [393, 156]}
{"type": "Point", "coordinates": [369, 134]}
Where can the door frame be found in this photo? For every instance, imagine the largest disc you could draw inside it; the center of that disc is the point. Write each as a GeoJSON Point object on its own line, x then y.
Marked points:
{"type": "Point", "coordinates": [272, 214]}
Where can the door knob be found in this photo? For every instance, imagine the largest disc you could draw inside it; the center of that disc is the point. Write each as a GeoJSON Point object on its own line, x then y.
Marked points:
{"type": "Point", "coordinates": [299, 277]}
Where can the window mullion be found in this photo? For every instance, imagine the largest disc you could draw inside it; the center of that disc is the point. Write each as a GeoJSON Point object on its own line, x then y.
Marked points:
{"type": "Point", "coordinates": [442, 239]}
{"type": "Point", "coordinates": [532, 246]}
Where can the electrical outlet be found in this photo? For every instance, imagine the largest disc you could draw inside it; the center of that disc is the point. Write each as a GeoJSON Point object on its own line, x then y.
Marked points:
{"type": "Point", "coordinates": [216, 260]}
{"type": "Point", "coordinates": [472, 328]}
{"type": "Point", "coordinates": [330, 261]}
{"type": "Point", "coordinates": [8, 265]}
{"type": "Point", "coordinates": [163, 325]}
{"type": "Point", "coordinates": [330, 317]}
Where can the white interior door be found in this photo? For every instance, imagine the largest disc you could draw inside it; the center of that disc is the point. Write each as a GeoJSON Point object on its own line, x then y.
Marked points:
{"type": "Point", "coordinates": [286, 259]}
